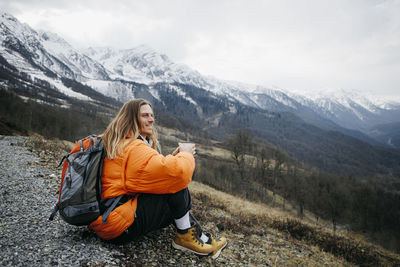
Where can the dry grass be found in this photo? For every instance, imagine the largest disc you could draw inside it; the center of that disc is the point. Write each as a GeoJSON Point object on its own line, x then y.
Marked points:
{"type": "Point", "coordinates": [232, 204]}
{"type": "Point", "coordinates": [253, 219]}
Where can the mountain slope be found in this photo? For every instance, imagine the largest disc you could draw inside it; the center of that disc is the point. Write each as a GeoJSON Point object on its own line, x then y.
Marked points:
{"type": "Point", "coordinates": [352, 109]}
{"type": "Point", "coordinates": [82, 66]}
{"type": "Point", "coordinates": [387, 133]}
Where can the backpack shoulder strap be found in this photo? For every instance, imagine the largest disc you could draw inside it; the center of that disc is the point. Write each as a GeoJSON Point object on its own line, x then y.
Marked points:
{"type": "Point", "coordinates": [53, 214]}
{"type": "Point", "coordinates": [62, 160]}
{"type": "Point", "coordinates": [81, 144]}
{"type": "Point", "coordinates": [111, 208]}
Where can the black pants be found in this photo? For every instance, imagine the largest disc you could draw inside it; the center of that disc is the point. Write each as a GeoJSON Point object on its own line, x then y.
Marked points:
{"type": "Point", "coordinates": [155, 212]}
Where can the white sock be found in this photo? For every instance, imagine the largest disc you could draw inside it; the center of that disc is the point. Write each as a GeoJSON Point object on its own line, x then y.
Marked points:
{"type": "Point", "coordinates": [204, 238]}
{"type": "Point", "coordinates": [183, 222]}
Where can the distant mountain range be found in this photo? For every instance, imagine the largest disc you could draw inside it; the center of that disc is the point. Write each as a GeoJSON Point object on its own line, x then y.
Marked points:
{"type": "Point", "coordinates": [108, 75]}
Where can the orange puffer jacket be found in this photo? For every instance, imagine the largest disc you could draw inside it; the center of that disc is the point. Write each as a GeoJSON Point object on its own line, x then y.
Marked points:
{"type": "Point", "coordinates": [140, 169]}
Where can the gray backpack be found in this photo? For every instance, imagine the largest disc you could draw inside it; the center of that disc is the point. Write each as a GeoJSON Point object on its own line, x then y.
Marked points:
{"type": "Point", "coordinates": [79, 201]}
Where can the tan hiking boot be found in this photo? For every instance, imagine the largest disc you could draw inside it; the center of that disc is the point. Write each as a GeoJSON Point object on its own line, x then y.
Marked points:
{"type": "Point", "coordinates": [217, 244]}
{"type": "Point", "coordinates": [189, 240]}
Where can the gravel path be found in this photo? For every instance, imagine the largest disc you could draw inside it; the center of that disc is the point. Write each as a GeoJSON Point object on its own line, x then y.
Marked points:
{"type": "Point", "coordinates": [26, 197]}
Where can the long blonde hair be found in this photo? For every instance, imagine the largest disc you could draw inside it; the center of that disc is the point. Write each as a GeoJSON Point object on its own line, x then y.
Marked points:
{"type": "Point", "coordinates": [125, 126]}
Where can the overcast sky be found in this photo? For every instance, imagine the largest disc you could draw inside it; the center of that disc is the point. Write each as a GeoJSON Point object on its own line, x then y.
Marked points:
{"type": "Point", "coordinates": [295, 45]}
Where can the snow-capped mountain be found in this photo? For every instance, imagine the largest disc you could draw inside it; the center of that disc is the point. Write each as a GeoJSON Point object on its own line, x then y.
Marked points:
{"type": "Point", "coordinates": [82, 66]}
{"type": "Point", "coordinates": [124, 74]}
{"type": "Point", "coordinates": [143, 65]}
{"type": "Point", "coordinates": [350, 109]}
{"type": "Point", "coordinates": [146, 66]}
{"type": "Point", "coordinates": [21, 44]}
{"type": "Point", "coordinates": [25, 49]}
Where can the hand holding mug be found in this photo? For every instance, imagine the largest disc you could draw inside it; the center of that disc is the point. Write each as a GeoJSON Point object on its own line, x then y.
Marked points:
{"type": "Point", "coordinates": [187, 147]}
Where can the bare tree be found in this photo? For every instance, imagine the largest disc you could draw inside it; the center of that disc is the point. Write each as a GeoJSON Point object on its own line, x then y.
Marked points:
{"type": "Point", "coordinates": [279, 158]}
{"type": "Point", "coordinates": [240, 144]}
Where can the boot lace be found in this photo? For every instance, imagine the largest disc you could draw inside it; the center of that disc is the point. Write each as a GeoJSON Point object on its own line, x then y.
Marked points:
{"type": "Point", "coordinates": [196, 234]}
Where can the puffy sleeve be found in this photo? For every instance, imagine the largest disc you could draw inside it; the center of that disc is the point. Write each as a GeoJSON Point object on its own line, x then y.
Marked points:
{"type": "Point", "coordinates": [147, 171]}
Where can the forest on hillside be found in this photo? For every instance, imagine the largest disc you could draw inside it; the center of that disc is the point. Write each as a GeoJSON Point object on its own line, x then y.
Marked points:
{"type": "Point", "coordinates": [368, 205]}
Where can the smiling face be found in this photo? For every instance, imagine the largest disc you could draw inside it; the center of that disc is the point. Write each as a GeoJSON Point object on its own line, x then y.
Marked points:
{"type": "Point", "coordinates": [146, 120]}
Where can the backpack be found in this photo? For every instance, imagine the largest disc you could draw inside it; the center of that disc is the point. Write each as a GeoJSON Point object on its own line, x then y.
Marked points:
{"type": "Point", "coordinates": [79, 201]}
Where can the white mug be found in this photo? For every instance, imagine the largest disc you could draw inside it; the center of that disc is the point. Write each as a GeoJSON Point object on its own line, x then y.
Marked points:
{"type": "Point", "coordinates": [186, 145]}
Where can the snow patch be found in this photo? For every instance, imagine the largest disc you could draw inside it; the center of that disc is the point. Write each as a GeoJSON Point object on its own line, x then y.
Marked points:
{"type": "Point", "coordinates": [179, 92]}
{"type": "Point", "coordinates": [60, 86]}
{"type": "Point", "coordinates": [154, 93]}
